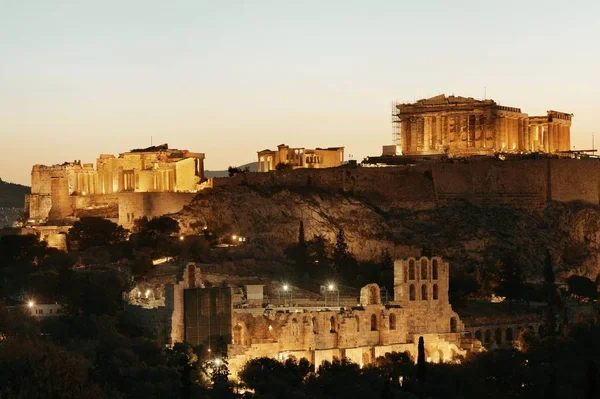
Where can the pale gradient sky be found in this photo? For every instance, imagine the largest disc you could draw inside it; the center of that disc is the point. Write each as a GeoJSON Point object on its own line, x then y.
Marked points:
{"type": "Point", "coordinates": [229, 78]}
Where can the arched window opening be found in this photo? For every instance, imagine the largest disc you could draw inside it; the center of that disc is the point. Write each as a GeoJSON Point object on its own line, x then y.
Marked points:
{"type": "Point", "coordinates": [357, 323]}
{"type": "Point", "coordinates": [332, 324]}
{"type": "Point", "coordinates": [373, 295]}
{"type": "Point", "coordinates": [412, 292]}
{"type": "Point", "coordinates": [435, 291]}
{"type": "Point", "coordinates": [478, 335]}
{"type": "Point", "coordinates": [315, 325]}
{"type": "Point", "coordinates": [392, 321]}
{"type": "Point", "coordinates": [238, 335]}
{"type": "Point", "coordinates": [373, 322]}
{"type": "Point", "coordinates": [423, 269]}
{"type": "Point", "coordinates": [405, 274]}
{"type": "Point", "coordinates": [295, 331]}
{"type": "Point", "coordinates": [434, 269]}
{"type": "Point", "coordinates": [509, 334]}
{"type": "Point", "coordinates": [498, 336]}
{"type": "Point", "coordinates": [487, 337]}
{"type": "Point", "coordinates": [411, 270]}
{"type": "Point", "coordinates": [453, 324]}
{"type": "Point", "coordinates": [424, 292]}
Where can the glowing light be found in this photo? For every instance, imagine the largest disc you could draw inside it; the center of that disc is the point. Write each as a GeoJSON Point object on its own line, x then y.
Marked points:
{"type": "Point", "coordinates": [331, 287]}
{"type": "Point", "coordinates": [83, 193]}
{"type": "Point", "coordinates": [234, 237]}
{"type": "Point", "coordinates": [217, 362]}
{"type": "Point", "coordinates": [181, 238]}
{"type": "Point", "coordinates": [208, 349]}
{"type": "Point", "coordinates": [147, 293]}
{"type": "Point", "coordinates": [31, 304]}
{"type": "Point", "coordinates": [429, 359]}
{"type": "Point", "coordinates": [286, 287]}
{"type": "Point", "coordinates": [270, 327]}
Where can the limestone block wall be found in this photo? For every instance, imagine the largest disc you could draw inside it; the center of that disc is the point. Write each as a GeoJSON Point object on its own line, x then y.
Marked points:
{"type": "Point", "coordinates": [521, 184]}
{"type": "Point", "coordinates": [185, 175]}
{"type": "Point", "coordinates": [135, 205]}
{"type": "Point", "coordinates": [574, 180]}
{"type": "Point", "coordinates": [61, 204]}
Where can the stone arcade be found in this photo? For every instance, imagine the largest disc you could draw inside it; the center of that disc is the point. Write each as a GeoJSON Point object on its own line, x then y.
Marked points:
{"type": "Point", "coordinates": [461, 125]}
{"type": "Point", "coordinates": [361, 333]}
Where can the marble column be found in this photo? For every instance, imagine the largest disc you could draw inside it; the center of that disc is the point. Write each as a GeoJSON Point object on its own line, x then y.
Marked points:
{"type": "Point", "coordinates": [515, 135]}
{"type": "Point", "coordinates": [497, 133]}
{"type": "Point", "coordinates": [439, 134]}
{"type": "Point", "coordinates": [525, 135]}
{"type": "Point", "coordinates": [545, 140]}
{"type": "Point", "coordinates": [520, 135]}
{"type": "Point", "coordinates": [403, 134]}
{"type": "Point", "coordinates": [567, 137]}
{"type": "Point", "coordinates": [426, 133]}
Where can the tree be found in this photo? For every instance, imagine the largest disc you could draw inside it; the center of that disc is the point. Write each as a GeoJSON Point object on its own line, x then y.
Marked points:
{"type": "Point", "coordinates": [421, 366]}
{"type": "Point", "coordinates": [141, 265]}
{"type": "Point", "coordinates": [20, 248]}
{"type": "Point", "coordinates": [582, 287]}
{"type": "Point", "coordinates": [94, 231]}
{"type": "Point", "coordinates": [283, 166]}
{"type": "Point", "coordinates": [340, 251]}
{"type": "Point", "coordinates": [302, 249]}
{"type": "Point", "coordinates": [552, 296]}
{"type": "Point", "coordinates": [511, 280]}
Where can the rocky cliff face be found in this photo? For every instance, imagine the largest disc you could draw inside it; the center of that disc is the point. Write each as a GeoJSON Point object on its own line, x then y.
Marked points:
{"type": "Point", "coordinates": [472, 238]}
{"type": "Point", "coordinates": [270, 218]}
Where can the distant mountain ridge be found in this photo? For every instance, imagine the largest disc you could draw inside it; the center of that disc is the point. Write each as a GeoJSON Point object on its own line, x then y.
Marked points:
{"type": "Point", "coordinates": [253, 166]}
{"type": "Point", "coordinates": [12, 195]}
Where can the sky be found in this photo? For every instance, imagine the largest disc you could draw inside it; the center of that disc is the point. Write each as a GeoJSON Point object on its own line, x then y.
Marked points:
{"type": "Point", "coordinates": [230, 78]}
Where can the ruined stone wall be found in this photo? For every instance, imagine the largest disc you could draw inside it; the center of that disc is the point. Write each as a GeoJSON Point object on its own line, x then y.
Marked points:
{"type": "Point", "coordinates": [401, 187]}
{"type": "Point", "coordinates": [135, 205]}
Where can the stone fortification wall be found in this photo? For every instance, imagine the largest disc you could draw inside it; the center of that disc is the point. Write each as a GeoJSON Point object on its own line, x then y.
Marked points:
{"type": "Point", "coordinates": [528, 184]}
{"type": "Point", "coordinates": [574, 180]}
{"type": "Point", "coordinates": [388, 188]}
{"type": "Point", "coordinates": [521, 184]}
{"type": "Point", "coordinates": [136, 205]}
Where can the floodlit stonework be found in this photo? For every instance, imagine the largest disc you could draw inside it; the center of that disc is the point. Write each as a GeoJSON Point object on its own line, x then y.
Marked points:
{"type": "Point", "coordinates": [363, 332]}
{"type": "Point", "coordinates": [300, 157]}
{"type": "Point", "coordinates": [461, 125]}
{"type": "Point", "coordinates": [122, 188]}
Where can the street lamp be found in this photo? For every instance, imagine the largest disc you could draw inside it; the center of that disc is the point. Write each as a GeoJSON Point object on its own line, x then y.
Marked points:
{"type": "Point", "coordinates": [30, 304]}
{"type": "Point", "coordinates": [331, 288]}
{"type": "Point", "coordinates": [285, 288]}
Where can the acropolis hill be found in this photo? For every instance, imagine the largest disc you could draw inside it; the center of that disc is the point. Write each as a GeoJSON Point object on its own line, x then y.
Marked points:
{"type": "Point", "coordinates": [441, 170]}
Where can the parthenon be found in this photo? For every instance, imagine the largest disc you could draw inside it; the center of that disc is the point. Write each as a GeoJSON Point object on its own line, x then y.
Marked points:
{"type": "Point", "coordinates": [463, 125]}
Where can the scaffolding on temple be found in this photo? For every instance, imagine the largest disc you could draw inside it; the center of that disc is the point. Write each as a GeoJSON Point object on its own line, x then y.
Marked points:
{"type": "Point", "coordinates": [396, 136]}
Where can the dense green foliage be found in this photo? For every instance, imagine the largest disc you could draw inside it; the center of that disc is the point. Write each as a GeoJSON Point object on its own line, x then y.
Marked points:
{"type": "Point", "coordinates": [96, 232]}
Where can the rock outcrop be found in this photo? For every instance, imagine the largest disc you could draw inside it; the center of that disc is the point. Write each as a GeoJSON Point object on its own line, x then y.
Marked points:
{"type": "Point", "coordinates": [473, 238]}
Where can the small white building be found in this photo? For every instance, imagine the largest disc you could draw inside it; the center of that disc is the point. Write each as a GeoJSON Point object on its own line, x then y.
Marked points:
{"type": "Point", "coordinates": [43, 310]}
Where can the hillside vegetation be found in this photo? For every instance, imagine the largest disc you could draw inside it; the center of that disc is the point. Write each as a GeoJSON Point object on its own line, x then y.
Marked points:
{"type": "Point", "coordinates": [473, 239]}
{"type": "Point", "coordinates": [12, 195]}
